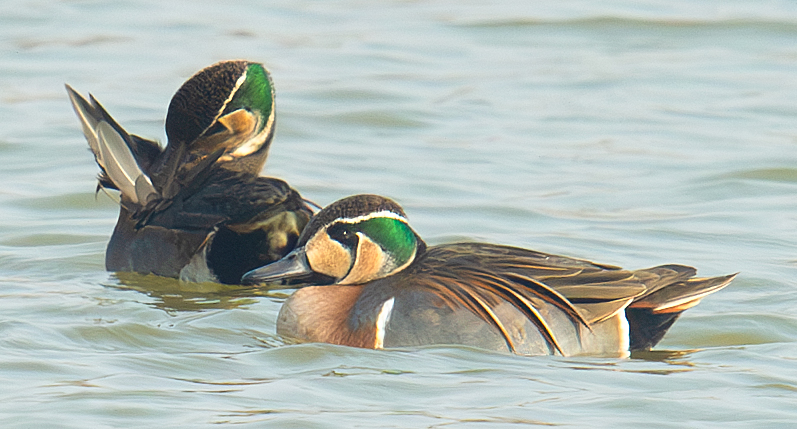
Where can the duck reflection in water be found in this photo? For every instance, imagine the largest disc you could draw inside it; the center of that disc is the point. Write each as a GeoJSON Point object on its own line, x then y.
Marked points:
{"type": "Point", "coordinates": [173, 295]}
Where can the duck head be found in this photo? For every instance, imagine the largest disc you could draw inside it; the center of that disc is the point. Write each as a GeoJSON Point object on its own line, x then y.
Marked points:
{"type": "Point", "coordinates": [352, 241]}
{"type": "Point", "coordinates": [227, 107]}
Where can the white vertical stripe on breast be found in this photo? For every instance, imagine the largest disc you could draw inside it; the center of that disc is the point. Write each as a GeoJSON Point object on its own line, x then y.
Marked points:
{"type": "Point", "coordinates": [381, 322]}
{"type": "Point", "coordinates": [624, 334]}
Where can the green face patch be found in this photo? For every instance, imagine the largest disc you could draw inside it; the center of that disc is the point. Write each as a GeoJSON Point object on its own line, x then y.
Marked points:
{"type": "Point", "coordinates": [256, 93]}
{"type": "Point", "coordinates": [393, 235]}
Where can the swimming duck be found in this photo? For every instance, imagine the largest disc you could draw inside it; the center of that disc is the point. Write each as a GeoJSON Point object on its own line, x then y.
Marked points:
{"type": "Point", "coordinates": [197, 210]}
{"type": "Point", "coordinates": [382, 286]}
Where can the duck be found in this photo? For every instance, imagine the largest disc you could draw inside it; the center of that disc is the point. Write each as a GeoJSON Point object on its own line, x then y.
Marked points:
{"type": "Point", "coordinates": [374, 283]}
{"type": "Point", "coordinates": [197, 209]}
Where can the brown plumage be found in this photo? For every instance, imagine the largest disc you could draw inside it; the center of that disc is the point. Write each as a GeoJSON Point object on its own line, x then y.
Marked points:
{"type": "Point", "coordinates": [486, 295]}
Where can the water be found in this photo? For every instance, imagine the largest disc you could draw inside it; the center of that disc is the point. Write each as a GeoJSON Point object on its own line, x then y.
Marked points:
{"type": "Point", "coordinates": [627, 133]}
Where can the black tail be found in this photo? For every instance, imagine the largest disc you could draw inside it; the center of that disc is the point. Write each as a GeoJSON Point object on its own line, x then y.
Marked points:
{"type": "Point", "coordinates": [647, 328]}
{"type": "Point", "coordinates": [650, 316]}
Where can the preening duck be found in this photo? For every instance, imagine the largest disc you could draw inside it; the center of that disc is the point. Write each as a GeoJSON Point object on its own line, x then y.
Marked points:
{"type": "Point", "coordinates": [197, 209]}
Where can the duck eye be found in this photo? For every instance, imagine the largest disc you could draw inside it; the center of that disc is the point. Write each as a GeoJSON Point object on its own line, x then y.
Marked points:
{"type": "Point", "coordinates": [342, 234]}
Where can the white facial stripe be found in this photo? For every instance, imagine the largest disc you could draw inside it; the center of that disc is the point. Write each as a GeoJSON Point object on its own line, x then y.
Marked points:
{"type": "Point", "coordinates": [254, 143]}
{"type": "Point", "coordinates": [381, 322]}
{"type": "Point", "coordinates": [383, 213]}
{"type": "Point", "coordinates": [238, 84]}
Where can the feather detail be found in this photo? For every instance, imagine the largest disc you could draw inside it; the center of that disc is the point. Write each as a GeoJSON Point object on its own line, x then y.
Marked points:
{"type": "Point", "coordinates": [470, 299]}
{"type": "Point", "coordinates": [683, 295]}
{"type": "Point", "coordinates": [88, 117]}
{"type": "Point", "coordinates": [478, 277]}
{"type": "Point", "coordinates": [122, 167]}
{"type": "Point", "coordinates": [113, 150]}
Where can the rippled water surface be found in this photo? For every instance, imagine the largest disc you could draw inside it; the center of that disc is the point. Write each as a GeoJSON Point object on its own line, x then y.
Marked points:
{"type": "Point", "coordinates": [632, 133]}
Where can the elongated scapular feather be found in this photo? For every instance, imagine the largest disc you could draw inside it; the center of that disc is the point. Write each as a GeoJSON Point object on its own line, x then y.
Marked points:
{"type": "Point", "coordinates": [122, 167]}
{"type": "Point", "coordinates": [88, 120]}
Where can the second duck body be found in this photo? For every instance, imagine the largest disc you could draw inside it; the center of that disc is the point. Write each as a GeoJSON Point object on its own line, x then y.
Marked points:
{"type": "Point", "coordinates": [197, 209]}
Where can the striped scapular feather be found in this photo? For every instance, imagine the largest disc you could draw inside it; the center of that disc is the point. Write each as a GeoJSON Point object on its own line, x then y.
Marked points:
{"type": "Point", "coordinates": [479, 277]}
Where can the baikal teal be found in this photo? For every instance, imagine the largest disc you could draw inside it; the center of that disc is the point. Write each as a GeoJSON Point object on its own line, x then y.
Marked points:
{"type": "Point", "coordinates": [197, 209]}
{"type": "Point", "coordinates": [384, 287]}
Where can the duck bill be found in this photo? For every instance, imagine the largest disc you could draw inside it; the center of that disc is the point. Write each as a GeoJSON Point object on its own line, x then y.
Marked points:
{"type": "Point", "coordinates": [293, 266]}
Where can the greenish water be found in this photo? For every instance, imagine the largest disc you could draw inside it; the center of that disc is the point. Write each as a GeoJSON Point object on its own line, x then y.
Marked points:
{"type": "Point", "coordinates": [628, 133]}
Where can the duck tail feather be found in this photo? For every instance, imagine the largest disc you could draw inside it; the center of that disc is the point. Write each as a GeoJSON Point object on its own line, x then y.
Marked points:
{"type": "Point", "coordinates": [650, 317]}
{"type": "Point", "coordinates": [679, 296]}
